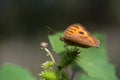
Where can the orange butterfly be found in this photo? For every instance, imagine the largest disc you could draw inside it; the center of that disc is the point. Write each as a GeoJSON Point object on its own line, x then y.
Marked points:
{"type": "Point", "coordinates": [77, 35]}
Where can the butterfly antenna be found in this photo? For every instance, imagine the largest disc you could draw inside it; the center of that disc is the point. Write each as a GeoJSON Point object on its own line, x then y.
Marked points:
{"type": "Point", "coordinates": [50, 29]}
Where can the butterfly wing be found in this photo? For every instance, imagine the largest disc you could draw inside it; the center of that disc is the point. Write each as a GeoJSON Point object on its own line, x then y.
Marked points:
{"type": "Point", "coordinates": [77, 35]}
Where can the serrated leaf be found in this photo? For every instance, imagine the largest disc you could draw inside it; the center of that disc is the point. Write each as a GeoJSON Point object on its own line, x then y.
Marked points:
{"type": "Point", "coordinates": [93, 61]}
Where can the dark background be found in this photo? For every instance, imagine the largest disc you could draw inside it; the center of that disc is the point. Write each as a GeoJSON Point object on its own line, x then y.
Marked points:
{"type": "Point", "coordinates": [23, 25]}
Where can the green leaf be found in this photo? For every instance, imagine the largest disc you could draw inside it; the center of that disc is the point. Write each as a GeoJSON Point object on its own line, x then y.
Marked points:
{"type": "Point", "coordinates": [85, 77]}
{"type": "Point", "coordinates": [14, 72]}
{"type": "Point", "coordinates": [93, 61]}
{"type": "Point", "coordinates": [56, 43]}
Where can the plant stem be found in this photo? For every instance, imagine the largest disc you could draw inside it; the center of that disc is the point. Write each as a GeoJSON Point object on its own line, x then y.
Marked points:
{"type": "Point", "coordinates": [72, 76]}
{"type": "Point", "coordinates": [50, 54]}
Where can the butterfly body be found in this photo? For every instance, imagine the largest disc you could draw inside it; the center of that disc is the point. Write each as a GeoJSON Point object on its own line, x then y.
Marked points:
{"type": "Point", "coordinates": [77, 35]}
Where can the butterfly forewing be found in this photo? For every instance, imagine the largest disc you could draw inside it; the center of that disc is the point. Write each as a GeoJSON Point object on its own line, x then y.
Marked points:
{"type": "Point", "coordinates": [77, 35]}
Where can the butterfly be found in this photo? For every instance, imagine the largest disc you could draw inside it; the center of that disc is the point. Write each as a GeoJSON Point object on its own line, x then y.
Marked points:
{"type": "Point", "coordinates": [77, 35]}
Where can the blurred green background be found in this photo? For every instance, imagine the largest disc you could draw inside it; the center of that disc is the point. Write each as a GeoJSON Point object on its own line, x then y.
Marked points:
{"type": "Point", "coordinates": [23, 25]}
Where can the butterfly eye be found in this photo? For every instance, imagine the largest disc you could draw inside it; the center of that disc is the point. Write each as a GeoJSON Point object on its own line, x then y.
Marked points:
{"type": "Point", "coordinates": [81, 32]}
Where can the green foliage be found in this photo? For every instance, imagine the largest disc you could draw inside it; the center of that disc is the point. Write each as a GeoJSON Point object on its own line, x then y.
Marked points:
{"type": "Point", "coordinates": [56, 43]}
{"type": "Point", "coordinates": [69, 57]}
{"type": "Point", "coordinates": [14, 72]}
{"type": "Point", "coordinates": [48, 65]}
{"type": "Point", "coordinates": [51, 71]}
{"type": "Point", "coordinates": [93, 61]}
{"type": "Point", "coordinates": [49, 75]}
{"type": "Point", "coordinates": [85, 77]}
{"type": "Point", "coordinates": [53, 75]}
{"type": "Point", "coordinates": [63, 75]}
